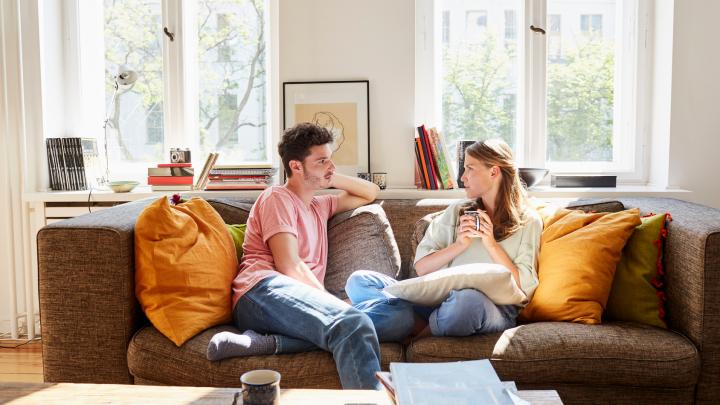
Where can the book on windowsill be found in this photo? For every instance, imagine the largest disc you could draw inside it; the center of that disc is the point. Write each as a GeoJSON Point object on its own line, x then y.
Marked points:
{"type": "Point", "coordinates": [171, 171]}
{"type": "Point", "coordinates": [174, 187]}
{"type": "Point", "coordinates": [462, 382]}
{"type": "Point", "coordinates": [227, 186]}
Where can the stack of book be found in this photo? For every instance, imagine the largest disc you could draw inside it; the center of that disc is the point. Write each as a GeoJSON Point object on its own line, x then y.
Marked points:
{"type": "Point", "coordinates": [72, 163]}
{"type": "Point", "coordinates": [171, 177]}
{"type": "Point", "coordinates": [251, 176]}
{"type": "Point", "coordinates": [458, 383]}
{"type": "Point", "coordinates": [433, 169]}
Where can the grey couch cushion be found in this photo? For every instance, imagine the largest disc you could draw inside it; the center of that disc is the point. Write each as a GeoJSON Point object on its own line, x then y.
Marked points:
{"type": "Point", "coordinates": [154, 358]}
{"type": "Point", "coordinates": [232, 211]}
{"type": "Point", "coordinates": [361, 239]}
{"type": "Point", "coordinates": [561, 352]}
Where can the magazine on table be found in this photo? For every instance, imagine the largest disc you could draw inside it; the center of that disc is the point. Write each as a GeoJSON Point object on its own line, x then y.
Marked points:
{"type": "Point", "coordinates": [463, 382]}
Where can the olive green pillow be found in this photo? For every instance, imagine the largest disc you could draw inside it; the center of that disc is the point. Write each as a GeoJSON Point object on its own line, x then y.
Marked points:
{"type": "Point", "coordinates": [238, 235]}
{"type": "Point", "coordinates": [637, 292]}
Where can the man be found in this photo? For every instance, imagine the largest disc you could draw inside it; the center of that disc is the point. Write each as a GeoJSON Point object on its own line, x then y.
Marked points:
{"type": "Point", "coordinates": [278, 294]}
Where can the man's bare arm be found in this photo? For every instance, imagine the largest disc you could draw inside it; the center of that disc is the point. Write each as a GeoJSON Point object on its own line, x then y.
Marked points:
{"type": "Point", "coordinates": [356, 192]}
{"type": "Point", "coordinates": [284, 248]}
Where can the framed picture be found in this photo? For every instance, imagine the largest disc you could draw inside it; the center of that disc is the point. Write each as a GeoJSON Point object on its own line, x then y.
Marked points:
{"type": "Point", "coordinates": [343, 107]}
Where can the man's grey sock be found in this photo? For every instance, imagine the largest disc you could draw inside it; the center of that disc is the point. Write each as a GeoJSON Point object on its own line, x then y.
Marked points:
{"type": "Point", "coordinates": [249, 343]}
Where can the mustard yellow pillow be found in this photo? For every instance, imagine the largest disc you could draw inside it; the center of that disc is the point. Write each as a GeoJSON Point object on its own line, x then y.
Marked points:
{"type": "Point", "coordinates": [185, 262]}
{"type": "Point", "coordinates": [578, 255]}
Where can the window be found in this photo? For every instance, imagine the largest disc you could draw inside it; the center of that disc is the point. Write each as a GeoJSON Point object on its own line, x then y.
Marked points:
{"type": "Point", "coordinates": [554, 44]}
{"type": "Point", "coordinates": [567, 100]}
{"type": "Point", "coordinates": [155, 125]}
{"type": "Point", "coordinates": [510, 24]}
{"type": "Point", "coordinates": [206, 89]}
{"type": "Point", "coordinates": [226, 114]}
{"type": "Point", "coordinates": [591, 23]}
{"type": "Point", "coordinates": [232, 85]}
{"type": "Point", "coordinates": [479, 76]}
{"type": "Point", "coordinates": [475, 24]}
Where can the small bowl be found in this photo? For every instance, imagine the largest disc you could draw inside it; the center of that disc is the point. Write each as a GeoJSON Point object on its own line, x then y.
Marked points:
{"type": "Point", "coordinates": [531, 176]}
{"type": "Point", "coordinates": [123, 186]}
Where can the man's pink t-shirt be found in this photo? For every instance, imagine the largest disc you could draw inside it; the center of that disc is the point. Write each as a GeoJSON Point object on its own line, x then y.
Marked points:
{"type": "Point", "coordinates": [278, 210]}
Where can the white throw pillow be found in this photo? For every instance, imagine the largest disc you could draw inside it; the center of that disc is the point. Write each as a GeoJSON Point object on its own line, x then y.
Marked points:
{"type": "Point", "coordinates": [494, 280]}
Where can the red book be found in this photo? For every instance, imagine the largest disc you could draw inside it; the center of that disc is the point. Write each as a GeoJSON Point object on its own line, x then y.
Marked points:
{"type": "Point", "coordinates": [433, 159]}
{"type": "Point", "coordinates": [169, 180]}
{"type": "Point", "coordinates": [174, 165]}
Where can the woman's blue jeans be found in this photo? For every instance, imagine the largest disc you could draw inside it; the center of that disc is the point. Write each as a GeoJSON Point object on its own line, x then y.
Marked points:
{"type": "Point", "coordinates": [463, 313]}
{"type": "Point", "coordinates": [303, 318]}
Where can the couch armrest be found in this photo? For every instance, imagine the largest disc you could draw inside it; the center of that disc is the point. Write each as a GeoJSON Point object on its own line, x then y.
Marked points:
{"type": "Point", "coordinates": [88, 309]}
{"type": "Point", "coordinates": [692, 267]}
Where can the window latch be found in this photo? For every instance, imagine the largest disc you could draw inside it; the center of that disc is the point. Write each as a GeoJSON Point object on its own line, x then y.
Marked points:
{"type": "Point", "coordinates": [169, 34]}
{"type": "Point", "coordinates": [537, 29]}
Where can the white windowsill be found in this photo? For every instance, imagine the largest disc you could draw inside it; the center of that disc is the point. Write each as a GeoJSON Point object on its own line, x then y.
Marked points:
{"type": "Point", "coordinates": [141, 192]}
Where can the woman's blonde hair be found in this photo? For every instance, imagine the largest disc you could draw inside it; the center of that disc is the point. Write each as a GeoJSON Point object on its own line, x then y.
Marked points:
{"type": "Point", "coordinates": [511, 199]}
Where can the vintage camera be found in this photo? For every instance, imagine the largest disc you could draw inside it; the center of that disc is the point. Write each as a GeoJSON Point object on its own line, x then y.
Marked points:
{"type": "Point", "coordinates": [178, 155]}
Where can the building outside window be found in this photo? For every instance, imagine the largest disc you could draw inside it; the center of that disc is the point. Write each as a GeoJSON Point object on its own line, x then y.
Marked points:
{"type": "Point", "coordinates": [590, 23]}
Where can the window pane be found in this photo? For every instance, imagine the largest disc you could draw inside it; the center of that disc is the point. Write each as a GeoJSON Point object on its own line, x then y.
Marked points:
{"type": "Point", "coordinates": [479, 67]}
{"type": "Point", "coordinates": [580, 91]}
{"type": "Point", "coordinates": [232, 78]}
{"type": "Point", "coordinates": [133, 41]}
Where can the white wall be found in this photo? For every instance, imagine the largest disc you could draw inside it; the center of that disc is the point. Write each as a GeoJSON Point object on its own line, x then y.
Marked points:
{"type": "Point", "coordinates": [354, 40]}
{"type": "Point", "coordinates": [695, 111]}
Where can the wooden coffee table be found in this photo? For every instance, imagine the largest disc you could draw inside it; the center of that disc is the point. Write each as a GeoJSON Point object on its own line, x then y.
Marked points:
{"type": "Point", "coordinates": [48, 393]}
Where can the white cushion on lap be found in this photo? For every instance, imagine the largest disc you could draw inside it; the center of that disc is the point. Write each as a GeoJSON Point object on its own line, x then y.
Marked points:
{"type": "Point", "coordinates": [494, 280]}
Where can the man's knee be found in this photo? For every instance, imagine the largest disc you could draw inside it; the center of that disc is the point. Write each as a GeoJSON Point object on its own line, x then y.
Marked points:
{"type": "Point", "coordinates": [353, 322]}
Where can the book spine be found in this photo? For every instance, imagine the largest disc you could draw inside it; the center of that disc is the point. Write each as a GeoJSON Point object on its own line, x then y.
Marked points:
{"type": "Point", "coordinates": [77, 163]}
{"type": "Point", "coordinates": [64, 163]}
{"type": "Point", "coordinates": [51, 175]}
{"type": "Point", "coordinates": [59, 164]}
{"type": "Point", "coordinates": [423, 166]}
{"type": "Point", "coordinates": [171, 171]}
{"type": "Point", "coordinates": [213, 186]}
{"type": "Point", "coordinates": [426, 153]}
{"type": "Point", "coordinates": [169, 180]}
{"type": "Point", "coordinates": [56, 164]}
{"type": "Point", "coordinates": [418, 175]}
{"type": "Point", "coordinates": [435, 159]}
{"type": "Point", "coordinates": [243, 172]}
{"type": "Point", "coordinates": [446, 157]}
{"type": "Point", "coordinates": [212, 164]}
{"type": "Point", "coordinates": [440, 157]}
{"type": "Point", "coordinates": [81, 164]}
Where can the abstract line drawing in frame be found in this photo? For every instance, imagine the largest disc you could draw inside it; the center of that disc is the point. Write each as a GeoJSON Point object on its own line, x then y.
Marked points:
{"type": "Point", "coordinates": [343, 107]}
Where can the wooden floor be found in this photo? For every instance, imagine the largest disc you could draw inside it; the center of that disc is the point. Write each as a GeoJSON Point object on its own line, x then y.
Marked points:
{"type": "Point", "coordinates": [22, 363]}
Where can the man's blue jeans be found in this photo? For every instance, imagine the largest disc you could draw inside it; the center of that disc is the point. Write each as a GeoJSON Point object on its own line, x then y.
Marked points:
{"type": "Point", "coordinates": [303, 318]}
{"type": "Point", "coordinates": [463, 313]}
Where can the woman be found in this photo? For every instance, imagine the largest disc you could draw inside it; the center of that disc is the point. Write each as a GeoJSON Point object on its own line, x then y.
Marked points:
{"type": "Point", "coordinates": [508, 234]}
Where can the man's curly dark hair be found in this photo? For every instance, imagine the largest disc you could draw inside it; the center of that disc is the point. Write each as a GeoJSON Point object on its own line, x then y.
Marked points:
{"type": "Point", "coordinates": [297, 141]}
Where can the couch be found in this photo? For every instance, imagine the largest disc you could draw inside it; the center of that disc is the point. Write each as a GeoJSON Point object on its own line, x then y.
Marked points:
{"type": "Point", "coordinates": [93, 330]}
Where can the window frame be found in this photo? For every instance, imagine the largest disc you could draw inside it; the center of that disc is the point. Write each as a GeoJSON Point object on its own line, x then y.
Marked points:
{"type": "Point", "coordinates": [630, 129]}
{"type": "Point", "coordinates": [180, 88]}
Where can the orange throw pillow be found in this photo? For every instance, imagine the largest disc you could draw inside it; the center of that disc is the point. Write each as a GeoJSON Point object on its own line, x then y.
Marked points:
{"type": "Point", "coordinates": [578, 256]}
{"type": "Point", "coordinates": [185, 262]}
